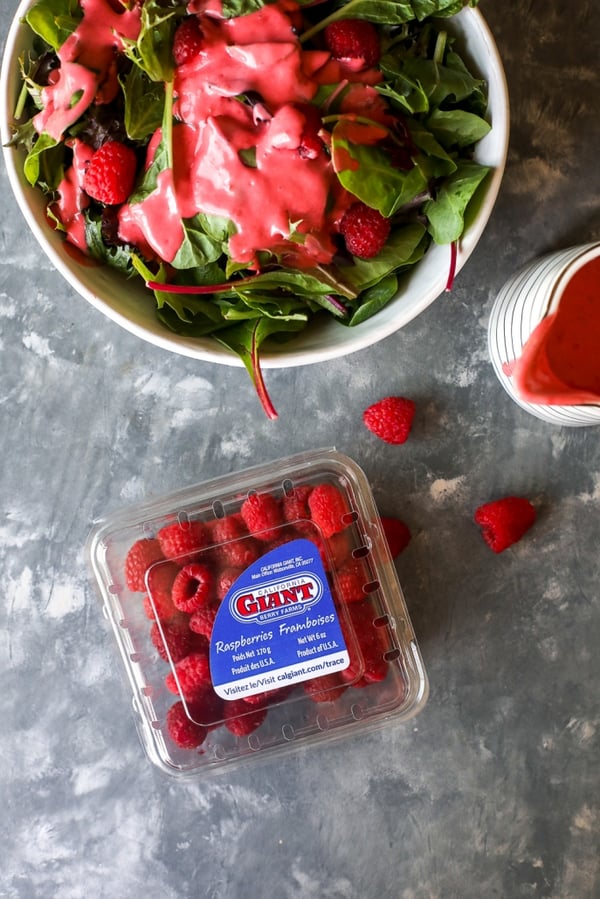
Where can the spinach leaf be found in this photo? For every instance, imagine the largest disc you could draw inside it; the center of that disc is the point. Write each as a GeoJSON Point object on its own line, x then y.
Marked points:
{"type": "Point", "coordinates": [390, 12]}
{"type": "Point", "coordinates": [197, 248]}
{"type": "Point", "coordinates": [405, 245]}
{"type": "Point", "coordinates": [367, 171]}
{"type": "Point", "coordinates": [152, 51]}
{"type": "Point", "coordinates": [455, 128]}
{"type": "Point", "coordinates": [375, 298]}
{"type": "Point", "coordinates": [404, 93]}
{"type": "Point", "coordinates": [231, 8]}
{"type": "Point", "coordinates": [43, 163]}
{"type": "Point", "coordinates": [246, 340]}
{"type": "Point", "coordinates": [446, 213]}
{"type": "Point", "coordinates": [54, 20]}
{"type": "Point", "coordinates": [144, 104]}
{"type": "Point", "coordinates": [425, 141]}
{"type": "Point", "coordinates": [118, 257]}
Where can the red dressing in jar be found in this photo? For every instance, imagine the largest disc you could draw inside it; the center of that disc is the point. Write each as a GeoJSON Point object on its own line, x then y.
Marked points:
{"type": "Point", "coordinates": [560, 363]}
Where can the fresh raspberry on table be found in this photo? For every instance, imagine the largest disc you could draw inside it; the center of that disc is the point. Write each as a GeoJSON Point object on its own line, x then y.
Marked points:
{"type": "Point", "coordinates": [262, 515]}
{"type": "Point", "coordinates": [505, 521]}
{"type": "Point", "coordinates": [202, 621]}
{"type": "Point", "coordinates": [327, 688]}
{"type": "Point", "coordinates": [172, 639]}
{"type": "Point", "coordinates": [193, 587]}
{"type": "Point", "coordinates": [390, 418]}
{"type": "Point", "coordinates": [192, 675]}
{"type": "Point", "coordinates": [365, 230]}
{"type": "Point", "coordinates": [183, 539]}
{"type": "Point", "coordinates": [184, 732]}
{"type": "Point", "coordinates": [397, 534]}
{"type": "Point", "coordinates": [241, 718]}
{"type": "Point", "coordinates": [110, 173]}
{"type": "Point", "coordinates": [353, 39]}
{"type": "Point", "coordinates": [141, 555]}
{"type": "Point", "coordinates": [328, 509]}
{"type": "Point", "coordinates": [159, 603]}
{"type": "Point", "coordinates": [187, 41]}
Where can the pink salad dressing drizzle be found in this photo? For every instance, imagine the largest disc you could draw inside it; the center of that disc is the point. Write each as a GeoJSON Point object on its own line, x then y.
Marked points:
{"type": "Point", "coordinates": [71, 197]}
{"type": "Point", "coordinates": [560, 363]}
{"type": "Point", "coordinates": [87, 71]}
{"type": "Point", "coordinates": [279, 200]}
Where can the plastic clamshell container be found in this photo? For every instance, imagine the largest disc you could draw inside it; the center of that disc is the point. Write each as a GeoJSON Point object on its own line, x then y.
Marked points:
{"type": "Point", "coordinates": [310, 641]}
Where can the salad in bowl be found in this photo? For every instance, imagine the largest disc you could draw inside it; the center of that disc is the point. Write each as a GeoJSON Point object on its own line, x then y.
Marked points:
{"type": "Point", "coordinates": [253, 171]}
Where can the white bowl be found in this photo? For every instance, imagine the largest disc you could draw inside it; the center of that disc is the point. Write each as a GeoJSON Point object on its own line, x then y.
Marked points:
{"type": "Point", "coordinates": [523, 301]}
{"type": "Point", "coordinates": [128, 303]}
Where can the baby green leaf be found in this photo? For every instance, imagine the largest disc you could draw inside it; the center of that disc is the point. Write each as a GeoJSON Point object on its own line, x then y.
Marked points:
{"type": "Point", "coordinates": [446, 213]}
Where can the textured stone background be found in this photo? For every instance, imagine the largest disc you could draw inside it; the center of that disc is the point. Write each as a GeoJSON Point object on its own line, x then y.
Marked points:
{"type": "Point", "coordinates": [493, 790]}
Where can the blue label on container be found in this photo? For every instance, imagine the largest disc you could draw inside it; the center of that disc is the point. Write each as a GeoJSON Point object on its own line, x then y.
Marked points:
{"type": "Point", "coordinates": [278, 625]}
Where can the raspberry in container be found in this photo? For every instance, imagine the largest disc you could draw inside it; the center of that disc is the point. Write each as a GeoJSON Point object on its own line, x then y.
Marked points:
{"type": "Point", "coordinates": [257, 612]}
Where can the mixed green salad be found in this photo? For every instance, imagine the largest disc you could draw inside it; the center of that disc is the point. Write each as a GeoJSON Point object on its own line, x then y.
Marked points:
{"type": "Point", "coordinates": [438, 108]}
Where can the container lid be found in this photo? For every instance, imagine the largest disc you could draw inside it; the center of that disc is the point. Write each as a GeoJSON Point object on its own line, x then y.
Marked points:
{"type": "Point", "coordinates": [258, 611]}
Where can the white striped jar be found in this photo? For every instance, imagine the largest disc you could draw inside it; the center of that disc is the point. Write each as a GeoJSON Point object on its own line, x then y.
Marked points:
{"type": "Point", "coordinates": [524, 300]}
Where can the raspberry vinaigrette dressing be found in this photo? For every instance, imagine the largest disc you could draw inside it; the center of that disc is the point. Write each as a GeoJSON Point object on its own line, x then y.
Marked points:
{"type": "Point", "coordinates": [230, 162]}
{"type": "Point", "coordinates": [560, 363]}
{"type": "Point", "coordinates": [88, 66]}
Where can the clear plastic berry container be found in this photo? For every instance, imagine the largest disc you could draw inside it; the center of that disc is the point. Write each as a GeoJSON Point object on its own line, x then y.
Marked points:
{"type": "Point", "coordinates": [257, 612]}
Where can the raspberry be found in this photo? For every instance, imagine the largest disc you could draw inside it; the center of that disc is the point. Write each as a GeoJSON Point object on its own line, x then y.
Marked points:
{"type": "Point", "coordinates": [226, 578]}
{"type": "Point", "coordinates": [334, 551]}
{"type": "Point", "coordinates": [396, 533]}
{"type": "Point", "coordinates": [229, 528]}
{"type": "Point", "coordinates": [353, 39]}
{"type": "Point", "coordinates": [233, 551]}
{"type": "Point", "coordinates": [311, 146]}
{"type": "Point", "coordinates": [175, 641]}
{"type": "Point", "coordinates": [202, 621]}
{"type": "Point", "coordinates": [390, 419]}
{"type": "Point", "coordinates": [349, 582]}
{"type": "Point", "coordinates": [263, 698]}
{"type": "Point", "coordinates": [192, 676]}
{"type": "Point", "coordinates": [505, 521]}
{"type": "Point", "coordinates": [262, 514]}
{"type": "Point", "coordinates": [193, 587]}
{"type": "Point", "coordinates": [160, 579]}
{"type": "Point", "coordinates": [326, 688]}
{"type": "Point", "coordinates": [185, 733]}
{"type": "Point", "coordinates": [141, 556]}
{"type": "Point", "coordinates": [365, 230]}
{"type": "Point", "coordinates": [182, 539]}
{"type": "Point", "coordinates": [368, 664]}
{"type": "Point", "coordinates": [294, 507]}
{"type": "Point", "coordinates": [328, 509]}
{"type": "Point", "coordinates": [187, 41]}
{"type": "Point", "coordinates": [241, 719]}
{"type": "Point", "coordinates": [240, 553]}
{"type": "Point", "coordinates": [110, 174]}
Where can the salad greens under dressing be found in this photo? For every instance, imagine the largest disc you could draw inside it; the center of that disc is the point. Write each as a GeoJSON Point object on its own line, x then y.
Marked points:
{"type": "Point", "coordinates": [440, 110]}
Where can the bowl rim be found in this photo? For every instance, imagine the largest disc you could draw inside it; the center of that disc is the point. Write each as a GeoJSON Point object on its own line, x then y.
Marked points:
{"type": "Point", "coordinates": [383, 325]}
